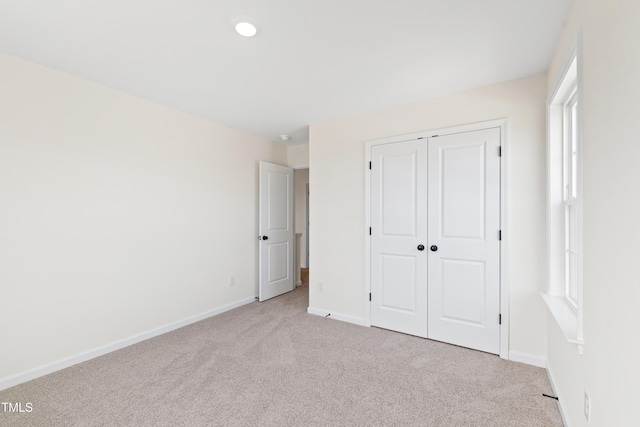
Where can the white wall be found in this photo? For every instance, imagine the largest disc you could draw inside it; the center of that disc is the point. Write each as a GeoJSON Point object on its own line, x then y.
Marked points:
{"type": "Point", "coordinates": [609, 369]}
{"type": "Point", "coordinates": [118, 215]}
{"type": "Point", "coordinates": [336, 154]}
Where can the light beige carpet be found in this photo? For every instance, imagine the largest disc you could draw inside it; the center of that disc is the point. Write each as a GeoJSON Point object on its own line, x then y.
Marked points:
{"type": "Point", "coordinates": [272, 364]}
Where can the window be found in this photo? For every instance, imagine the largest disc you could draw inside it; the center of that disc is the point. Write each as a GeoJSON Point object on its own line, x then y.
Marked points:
{"type": "Point", "coordinates": [571, 205]}
{"type": "Point", "coordinates": [564, 154]}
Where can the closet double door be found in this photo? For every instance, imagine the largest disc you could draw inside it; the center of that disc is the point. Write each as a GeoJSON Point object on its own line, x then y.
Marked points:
{"type": "Point", "coordinates": [435, 238]}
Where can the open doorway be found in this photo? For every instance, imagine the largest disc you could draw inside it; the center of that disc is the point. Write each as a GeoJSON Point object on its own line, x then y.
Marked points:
{"type": "Point", "coordinates": [301, 225]}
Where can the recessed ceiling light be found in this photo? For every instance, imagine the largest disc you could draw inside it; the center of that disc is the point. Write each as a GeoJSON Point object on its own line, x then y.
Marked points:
{"type": "Point", "coordinates": [246, 29]}
{"type": "Point", "coordinates": [245, 26]}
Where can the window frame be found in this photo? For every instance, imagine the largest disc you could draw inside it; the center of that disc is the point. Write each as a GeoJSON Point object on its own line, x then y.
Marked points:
{"type": "Point", "coordinates": [571, 145]}
{"type": "Point", "coordinates": [564, 200]}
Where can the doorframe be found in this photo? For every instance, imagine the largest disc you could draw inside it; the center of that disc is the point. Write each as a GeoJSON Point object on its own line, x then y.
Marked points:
{"type": "Point", "coordinates": [306, 216]}
{"type": "Point", "coordinates": [306, 227]}
{"type": "Point", "coordinates": [504, 182]}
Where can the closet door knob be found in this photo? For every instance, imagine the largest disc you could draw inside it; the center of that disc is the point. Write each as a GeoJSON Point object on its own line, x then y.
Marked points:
{"type": "Point", "coordinates": [434, 248]}
{"type": "Point", "coordinates": [421, 247]}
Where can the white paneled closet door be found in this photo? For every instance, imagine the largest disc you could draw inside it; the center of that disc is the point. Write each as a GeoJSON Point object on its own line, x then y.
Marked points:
{"type": "Point", "coordinates": [435, 248]}
{"type": "Point", "coordinates": [398, 229]}
{"type": "Point", "coordinates": [464, 239]}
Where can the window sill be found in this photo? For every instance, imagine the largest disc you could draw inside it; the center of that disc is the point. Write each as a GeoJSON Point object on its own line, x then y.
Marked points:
{"type": "Point", "coordinates": [566, 318]}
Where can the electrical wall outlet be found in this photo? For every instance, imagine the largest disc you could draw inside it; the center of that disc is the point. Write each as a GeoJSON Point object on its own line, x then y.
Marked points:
{"type": "Point", "coordinates": [232, 281]}
{"type": "Point", "coordinates": [587, 407]}
{"type": "Point", "coordinates": [320, 286]}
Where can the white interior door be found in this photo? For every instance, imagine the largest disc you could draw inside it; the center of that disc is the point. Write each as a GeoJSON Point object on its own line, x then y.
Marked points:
{"type": "Point", "coordinates": [276, 230]}
{"type": "Point", "coordinates": [464, 245]}
{"type": "Point", "coordinates": [398, 227]}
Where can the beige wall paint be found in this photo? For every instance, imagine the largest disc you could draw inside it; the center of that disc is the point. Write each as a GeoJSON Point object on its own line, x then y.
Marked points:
{"type": "Point", "coordinates": [118, 215]}
{"type": "Point", "coordinates": [336, 154]}
{"type": "Point", "coordinates": [609, 369]}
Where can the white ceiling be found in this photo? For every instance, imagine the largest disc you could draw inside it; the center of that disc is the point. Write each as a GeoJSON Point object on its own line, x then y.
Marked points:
{"type": "Point", "coordinates": [313, 60]}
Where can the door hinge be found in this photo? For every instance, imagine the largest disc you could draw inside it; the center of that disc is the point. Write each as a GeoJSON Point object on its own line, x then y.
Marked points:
{"type": "Point", "coordinates": [369, 231]}
{"type": "Point", "coordinates": [369, 296]}
{"type": "Point", "coordinates": [500, 151]}
{"type": "Point", "coordinates": [500, 235]}
{"type": "Point", "coordinates": [369, 165]}
{"type": "Point", "coordinates": [499, 319]}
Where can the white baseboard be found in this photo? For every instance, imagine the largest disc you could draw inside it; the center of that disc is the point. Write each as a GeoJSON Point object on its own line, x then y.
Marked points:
{"type": "Point", "coordinates": [563, 414]}
{"type": "Point", "coordinates": [49, 368]}
{"type": "Point", "coordinates": [337, 316]}
{"type": "Point", "coordinates": [528, 359]}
